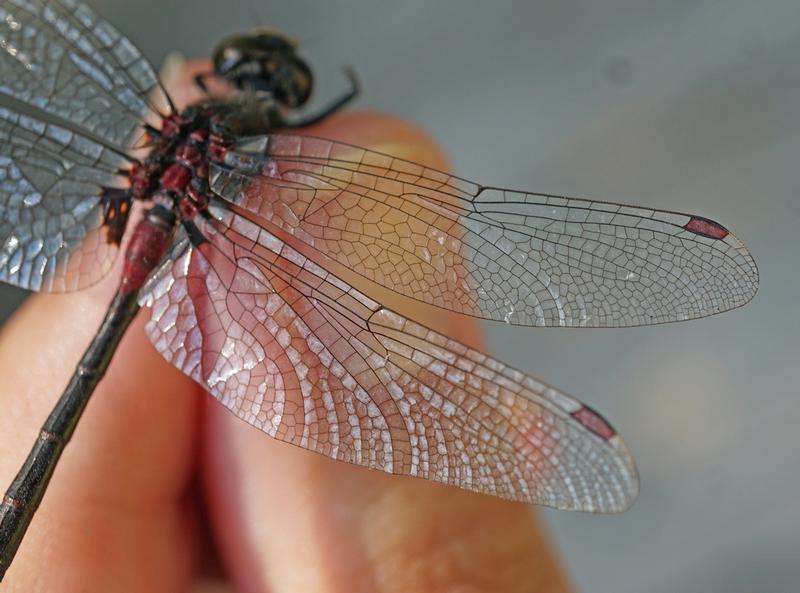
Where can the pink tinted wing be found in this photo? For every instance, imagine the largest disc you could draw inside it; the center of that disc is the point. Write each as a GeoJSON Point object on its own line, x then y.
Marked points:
{"type": "Point", "coordinates": [519, 257]}
{"type": "Point", "coordinates": [298, 353]}
{"type": "Point", "coordinates": [52, 234]}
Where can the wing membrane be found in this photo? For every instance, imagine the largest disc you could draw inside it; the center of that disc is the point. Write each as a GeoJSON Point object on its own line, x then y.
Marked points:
{"type": "Point", "coordinates": [522, 258]}
{"type": "Point", "coordinates": [51, 207]}
{"type": "Point", "coordinates": [58, 56]}
{"type": "Point", "coordinates": [295, 351]}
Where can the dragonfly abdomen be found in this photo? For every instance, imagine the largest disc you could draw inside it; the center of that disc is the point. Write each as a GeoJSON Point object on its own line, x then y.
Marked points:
{"type": "Point", "coordinates": [149, 243]}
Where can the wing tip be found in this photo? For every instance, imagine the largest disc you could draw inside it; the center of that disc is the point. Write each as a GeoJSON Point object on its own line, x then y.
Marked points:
{"type": "Point", "coordinates": [748, 279]}
{"type": "Point", "coordinates": [752, 270]}
{"type": "Point", "coordinates": [621, 486]}
{"type": "Point", "coordinates": [630, 473]}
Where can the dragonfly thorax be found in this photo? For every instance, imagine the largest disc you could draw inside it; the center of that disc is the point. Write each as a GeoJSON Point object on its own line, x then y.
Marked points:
{"type": "Point", "coordinates": [179, 158]}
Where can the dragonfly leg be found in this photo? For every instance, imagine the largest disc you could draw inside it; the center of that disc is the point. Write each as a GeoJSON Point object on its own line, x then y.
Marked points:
{"type": "Point", "coordinates": [332, 107]}
{"type": "Point", "coordinates": [200, 81]}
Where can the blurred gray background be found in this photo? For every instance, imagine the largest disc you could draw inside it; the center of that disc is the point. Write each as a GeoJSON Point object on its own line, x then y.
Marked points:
{"type": "Point", "coordinates": [686, 105]}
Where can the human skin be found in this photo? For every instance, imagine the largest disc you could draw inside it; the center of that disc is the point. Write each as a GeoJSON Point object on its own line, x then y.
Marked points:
{"type": "Point", "coordinates": [160, 482]}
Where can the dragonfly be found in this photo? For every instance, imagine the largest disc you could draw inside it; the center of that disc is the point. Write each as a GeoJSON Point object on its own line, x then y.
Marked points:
{"type": "Point", "coordinates": [263, 254]}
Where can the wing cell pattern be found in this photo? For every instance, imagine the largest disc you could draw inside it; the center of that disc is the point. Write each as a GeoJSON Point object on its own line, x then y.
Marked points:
{"type": "Point", "coordinates": [52, 237]}
{"type": "Point", "coordinates": [523, 258]}
{"type": "Point", "coordinates": [58, 56]}
{"type": "Point", "coordinates": [295, 351]}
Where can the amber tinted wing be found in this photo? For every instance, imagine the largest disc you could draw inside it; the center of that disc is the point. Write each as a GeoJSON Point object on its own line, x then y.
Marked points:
{"type": "Point", "coordinates": [293, 350]}
{"type": "Point", "coordinates": [522, 258]}
{"type": "Point", "coordinates": [51, 209]}
{"type": "Point", "coordinates": [58, 56]}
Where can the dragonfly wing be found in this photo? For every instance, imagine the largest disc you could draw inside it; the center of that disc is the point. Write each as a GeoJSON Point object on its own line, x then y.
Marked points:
{"type": "Point", "coordinates": [52, 206]}
{"type": "Point", "coordinates": [523, 258]}
{"type": "Point", "coordinates": [58, 56]}
{"type": "Point", "coordinates": [298, 353]}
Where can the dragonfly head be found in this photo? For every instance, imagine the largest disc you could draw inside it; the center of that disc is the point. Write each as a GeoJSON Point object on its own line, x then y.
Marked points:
{"type": "Point", "coordinates": [265, 61]}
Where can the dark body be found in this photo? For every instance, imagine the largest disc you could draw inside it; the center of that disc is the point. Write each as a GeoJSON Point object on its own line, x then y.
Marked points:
{"type": "Point", "coordinates": [173, 178]}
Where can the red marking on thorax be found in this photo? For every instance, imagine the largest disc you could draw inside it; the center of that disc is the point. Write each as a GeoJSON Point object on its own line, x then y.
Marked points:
{"type": "Point", "coordinates": [594, 422]}
{"type": "Point", "coordinates": [188, 208]}
{"type": "Point", "coordinates": [217, 148]}
{"type": "Point", "coordinates": [706, 228]}
{"type": "Point", "coordinates": [171, 126]}
{"type": "Point", "coordinates": [188, 155]}
{"type": "Point", "coordinates": [140, 180]}
{"type": "Point", "coordinates": [199, 135]}
{"type": "Point", "coordinates": [175, 178]}
{"type": "Point", "coordinates": [175, 161]}
{"type": "Point", "coordinates": [217, 152]}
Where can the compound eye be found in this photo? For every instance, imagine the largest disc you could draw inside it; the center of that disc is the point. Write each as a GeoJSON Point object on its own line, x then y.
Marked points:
{"type": "Point", "coordinates": [227, 59]}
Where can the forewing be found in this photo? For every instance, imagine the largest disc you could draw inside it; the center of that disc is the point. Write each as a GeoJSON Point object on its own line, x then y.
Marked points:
{"type": "Point", "coordinates": [58, 56]}
{"type": "Point", "coordinates": [296, 352]}
{"type": "Point", "coordinates": [52, 236]}
{"type": "Point", "coordinates": [522, 258]}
